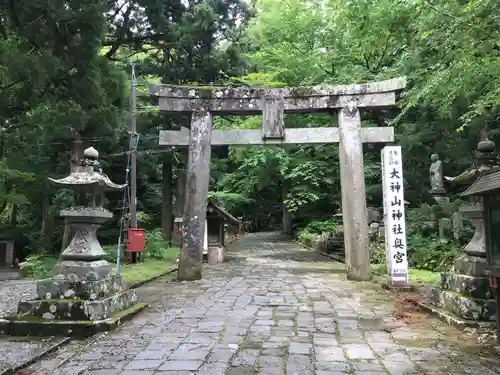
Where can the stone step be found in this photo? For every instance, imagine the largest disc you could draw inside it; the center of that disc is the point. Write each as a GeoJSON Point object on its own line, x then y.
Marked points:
{"type": "Point", "coordinates": [469, 286]}
{"type": "Point", "coordinates": [462, 306]}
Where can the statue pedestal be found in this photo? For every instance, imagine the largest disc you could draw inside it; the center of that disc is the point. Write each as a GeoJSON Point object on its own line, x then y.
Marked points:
{"type": "Point", "coordinates": [82, 298]}
{"type": "Point", "coordinates": [439, 196]}
{"type": "Point", "coordinates": [465, 291]}
{"type": "Point", "coordinates": [441, 199]}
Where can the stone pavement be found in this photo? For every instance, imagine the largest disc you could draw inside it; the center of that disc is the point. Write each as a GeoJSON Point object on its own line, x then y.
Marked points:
{"type": "Point", "coordinates": [15, 352]}
{"type": "Point", "coordinates": [273, 309]}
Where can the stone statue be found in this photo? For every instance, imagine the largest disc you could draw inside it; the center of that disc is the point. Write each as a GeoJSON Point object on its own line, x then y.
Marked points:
{"type": "Point", "coordinates": [436, 175]}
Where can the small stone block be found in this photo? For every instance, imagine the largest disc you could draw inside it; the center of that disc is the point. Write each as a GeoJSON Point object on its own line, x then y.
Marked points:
{"type": "Point", "coordinates": [397, 288]}
{"type": "Point", "coordinates": [215, 255]}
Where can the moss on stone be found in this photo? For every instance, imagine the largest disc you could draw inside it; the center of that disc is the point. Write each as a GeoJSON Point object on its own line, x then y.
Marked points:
{"type": "Point", "coordinates": [300, 92]}
{"type": "Point", "coordinates": [130, 311]}
{"type": "Point", "coordinates": [36, 326]}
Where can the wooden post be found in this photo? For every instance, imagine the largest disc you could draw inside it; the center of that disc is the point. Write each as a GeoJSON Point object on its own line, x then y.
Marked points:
{"type": "Point", "coordinates": [222, 233]}
{"type": "Point", "coordinates": [180, 195]}
{"type": "Point", "coordinates": [195, 207]}
{"type": "Point", "coordinates": [166, 202]}
{"type": "Point", "coordinates": [352, 180]}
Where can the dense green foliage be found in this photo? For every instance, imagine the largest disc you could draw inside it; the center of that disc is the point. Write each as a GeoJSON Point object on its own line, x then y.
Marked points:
{"type": "Point", "coordinates": [64, 70]}
{"type": "Point", "coordinates": [39, 266]}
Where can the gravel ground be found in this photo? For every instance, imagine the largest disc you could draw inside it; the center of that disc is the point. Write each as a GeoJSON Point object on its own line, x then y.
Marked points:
{"type": "Point", "coordinates": [11, 292]}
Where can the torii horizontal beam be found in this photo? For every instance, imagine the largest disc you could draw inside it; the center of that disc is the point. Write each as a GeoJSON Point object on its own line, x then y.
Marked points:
{"type": "Point", "coordinates": [291, 136]}
{"type": "Point", "coordinates": [245, 101]}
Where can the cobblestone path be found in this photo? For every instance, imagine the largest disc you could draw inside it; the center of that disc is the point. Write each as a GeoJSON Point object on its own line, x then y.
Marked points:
{"type": "Point", "coordinates": [273, 309]}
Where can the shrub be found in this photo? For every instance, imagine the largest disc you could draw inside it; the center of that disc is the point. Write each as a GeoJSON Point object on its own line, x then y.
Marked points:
{"type": "Point", "coordinates": [38, 266]}
{"type": "Point", "coordinates": [425, 253]}
{"type": "Point", "coordinates": [307, 238]}
{"type": "Point", "coordinates": [155, 247]}
{"type": "Point", "coordinates": [378, 253]}
{"type": "Point", "coordinates": [319, 227]}
{"type": "Point", "coordinates": [430, 253]}
{"type": "Point", "coordinates": [110, 251]}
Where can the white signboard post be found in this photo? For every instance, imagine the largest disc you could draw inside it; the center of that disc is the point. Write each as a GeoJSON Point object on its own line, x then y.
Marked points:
{"type": "Point", "coordinates": [394, 215]}
{"type": "Point", "coordinates": [205, 239]}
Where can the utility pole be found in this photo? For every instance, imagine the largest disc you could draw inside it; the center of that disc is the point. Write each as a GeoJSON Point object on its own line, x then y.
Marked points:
{"type": "Point", "coordinates": [133, 151]}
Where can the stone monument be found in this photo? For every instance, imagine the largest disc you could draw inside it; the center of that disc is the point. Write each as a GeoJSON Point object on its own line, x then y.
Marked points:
{"type": "Point", "coordinates": [465, 290]}
{"type": "Point", "coordinates": [437, 180]}
{"type": "Point", "coordinates": [82, 297]}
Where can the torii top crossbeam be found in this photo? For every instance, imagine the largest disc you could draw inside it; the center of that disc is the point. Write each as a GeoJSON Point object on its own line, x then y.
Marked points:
{"type": "Point", "coordinates": [247, 101]}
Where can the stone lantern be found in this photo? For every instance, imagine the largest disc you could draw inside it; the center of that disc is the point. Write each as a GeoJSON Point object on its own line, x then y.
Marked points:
{"type": "Point", "coordinates": [464, 290]}
{"type": "Point", "coordinates": [82, 297]}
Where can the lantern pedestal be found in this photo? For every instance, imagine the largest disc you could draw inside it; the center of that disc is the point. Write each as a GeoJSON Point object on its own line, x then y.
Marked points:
{"type": "Point", "coordinates": [465, 291]}
{"type": "Point", "coordinates": [82, 298]}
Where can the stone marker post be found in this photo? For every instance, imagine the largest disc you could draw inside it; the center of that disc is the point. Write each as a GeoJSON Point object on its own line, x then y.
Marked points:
{"type": "Point", "coordinates": [394, 216]}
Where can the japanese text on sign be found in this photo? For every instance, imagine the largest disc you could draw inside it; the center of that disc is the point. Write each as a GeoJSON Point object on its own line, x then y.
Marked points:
{"type": "Point", "coordinates": [394, 214]}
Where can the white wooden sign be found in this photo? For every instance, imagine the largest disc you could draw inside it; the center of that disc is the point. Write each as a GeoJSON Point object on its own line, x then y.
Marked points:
{"type": "Point", "coordinates": [205, 239]}
{"type": "Point", "coordinates": [394, 215]}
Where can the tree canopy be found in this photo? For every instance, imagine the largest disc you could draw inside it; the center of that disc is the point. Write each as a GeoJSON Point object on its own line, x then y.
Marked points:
{"type": "Point", "coordinates": [65, 71]}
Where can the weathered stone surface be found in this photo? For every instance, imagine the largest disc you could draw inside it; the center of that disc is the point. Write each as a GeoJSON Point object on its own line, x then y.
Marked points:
{"type": "Point", "coordinates": [215, 255]}
{"type": "Point", "coordinates": [469, 286]}
{"type": "Point", "coordinates": [354, 211]}
{"type": "Point", "coordinates": [310, 135]}
{"type": "Point", "coordinates": [195, 205]}
{"type": "Point", "coordinates": [470, 265]}
{"type": "Point", "coordinates": [78, 270]}
{"type": "Point", "coordinates": [48, 325]}
{"type": "Point", "coordinates": [468, 308]}
{"type": "Point", "coordinates": [71, 309]}
{"type": "Point", "coordinates": [13, 292]}
{"type": "Point", "coordinates": [16, 352]}
{"type": "Point", "coordinates": [210, 326]}
{"type": "Point", "coordinates": [249, 100]}
{"type": "Point", "coordinates": [88, 290]}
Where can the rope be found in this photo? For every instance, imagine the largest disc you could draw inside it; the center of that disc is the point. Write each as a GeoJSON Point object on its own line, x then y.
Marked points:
{"type": "Point", "coordinates": [125, 199]}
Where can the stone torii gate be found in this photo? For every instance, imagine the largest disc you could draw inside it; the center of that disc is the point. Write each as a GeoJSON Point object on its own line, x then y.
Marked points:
{"type": "Point", "coordinates": [202, 102]}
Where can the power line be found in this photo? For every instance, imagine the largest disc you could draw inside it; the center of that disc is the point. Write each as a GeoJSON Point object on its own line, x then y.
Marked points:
{"type": "Point", "coordinates": [97, 139]}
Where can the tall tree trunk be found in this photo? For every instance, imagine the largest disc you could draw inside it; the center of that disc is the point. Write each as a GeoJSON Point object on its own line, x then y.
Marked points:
{"type": "Point", "coordinates": [166, 204]}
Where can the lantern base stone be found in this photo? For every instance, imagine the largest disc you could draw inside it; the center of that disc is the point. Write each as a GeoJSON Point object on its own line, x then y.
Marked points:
{"type": "Point", "coordinates": [462, 306]}
{"type": "Point", "coordinates": [66, 307]}
{"type": "Point", "coordinates": [79, 270]}
{"type": "Point", "coordinates": [35, 326]}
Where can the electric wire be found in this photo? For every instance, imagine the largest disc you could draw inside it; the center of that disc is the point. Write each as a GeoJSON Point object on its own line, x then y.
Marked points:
{"type": "Point", "coordinates": [125, 199]}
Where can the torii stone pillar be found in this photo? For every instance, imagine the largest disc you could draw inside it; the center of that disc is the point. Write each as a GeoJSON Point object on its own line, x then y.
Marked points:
{"type": "Point", "coordinates": [273, 104]}
{"type": "Point", "coordinates": [352, 182]}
